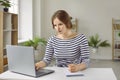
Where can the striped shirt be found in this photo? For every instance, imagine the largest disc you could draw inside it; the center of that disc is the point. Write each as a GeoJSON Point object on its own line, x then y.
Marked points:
{"type": "Point", "coordinates": [74, 50]}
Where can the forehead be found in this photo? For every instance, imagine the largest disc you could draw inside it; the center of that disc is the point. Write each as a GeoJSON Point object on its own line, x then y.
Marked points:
{"type": "Point", "coordinates": [56, 20]}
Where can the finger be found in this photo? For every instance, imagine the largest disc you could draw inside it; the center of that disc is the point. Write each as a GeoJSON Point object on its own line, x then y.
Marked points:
{"type": "Point", "coordinates": [37, 66]}
{"type": "Point", "coordinates": [70, 65]}
{"type": "Point", "coordinates": [73, 71]}
{"type": "Point", "coordinates": [71, 68]}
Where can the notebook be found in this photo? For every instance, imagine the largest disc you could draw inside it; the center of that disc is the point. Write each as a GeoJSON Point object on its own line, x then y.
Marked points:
{"type": "Point", "coordinates": [71, 74]}
{"type": "Point", "coordinates": [21, 60]}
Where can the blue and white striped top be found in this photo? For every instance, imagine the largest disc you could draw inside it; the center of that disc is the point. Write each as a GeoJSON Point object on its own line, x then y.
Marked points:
{"type": "Point", "coordinates": [74, 50]}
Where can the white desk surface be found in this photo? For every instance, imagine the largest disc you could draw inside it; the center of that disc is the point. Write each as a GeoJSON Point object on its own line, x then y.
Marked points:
{"type": "Point", "coordinates": [59, 74]}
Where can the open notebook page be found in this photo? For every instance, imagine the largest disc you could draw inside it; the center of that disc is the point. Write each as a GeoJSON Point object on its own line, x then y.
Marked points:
{"type": "Point", "coordinates": [70, 74]}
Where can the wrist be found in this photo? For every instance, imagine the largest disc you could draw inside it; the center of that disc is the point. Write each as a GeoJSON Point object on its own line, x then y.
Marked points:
{"type": "Point", "coordinates": [81, 66]}
{"type": "Point", "coordinates": [78, 67]}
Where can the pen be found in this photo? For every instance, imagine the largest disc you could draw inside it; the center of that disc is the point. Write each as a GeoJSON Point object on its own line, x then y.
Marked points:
{"type": "Point", "coordinates": [71, 75]}
{"type": "Point", "coordinates": [75, 61]}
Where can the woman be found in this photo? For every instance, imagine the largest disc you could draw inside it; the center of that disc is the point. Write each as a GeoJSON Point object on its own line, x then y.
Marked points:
{"type": "Point", "coordinates": [69, 48]}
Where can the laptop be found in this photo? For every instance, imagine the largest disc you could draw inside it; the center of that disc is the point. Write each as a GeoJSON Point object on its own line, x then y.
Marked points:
{"type": "Point", "coordinates": [21, 60]}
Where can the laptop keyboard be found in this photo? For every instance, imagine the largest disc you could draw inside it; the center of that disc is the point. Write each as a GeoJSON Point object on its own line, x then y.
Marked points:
{"type": "Point", "coordinates": [40, 71]}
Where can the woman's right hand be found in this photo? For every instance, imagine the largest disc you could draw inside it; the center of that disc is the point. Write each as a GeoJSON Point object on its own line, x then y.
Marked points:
{"type": "Point", "coordinates": [40, 65]}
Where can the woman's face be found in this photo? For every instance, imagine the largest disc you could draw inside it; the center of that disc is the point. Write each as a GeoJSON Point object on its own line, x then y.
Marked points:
{"type": "Point", "coordinates": [59, 26]}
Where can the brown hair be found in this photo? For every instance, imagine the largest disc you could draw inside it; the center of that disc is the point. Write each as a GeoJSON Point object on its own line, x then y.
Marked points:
{"type": "Point", "coordinates": [64, 17]}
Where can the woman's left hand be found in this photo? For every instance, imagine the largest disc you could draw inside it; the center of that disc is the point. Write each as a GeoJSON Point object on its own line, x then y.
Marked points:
{"type": "Point", "coordinates": [73, 67]}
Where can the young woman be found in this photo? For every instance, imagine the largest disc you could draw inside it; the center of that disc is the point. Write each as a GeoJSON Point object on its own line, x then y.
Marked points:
{"type": "Point", "coordinates": [69, 48]}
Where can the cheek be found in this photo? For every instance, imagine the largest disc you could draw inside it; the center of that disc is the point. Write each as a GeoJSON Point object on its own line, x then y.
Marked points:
{"type": "Point", "coordinates": [56, 28]}
{"type": "Point", "coordinates": [64, 28]}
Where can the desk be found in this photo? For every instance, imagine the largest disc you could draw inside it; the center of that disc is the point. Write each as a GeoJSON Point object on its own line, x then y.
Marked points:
{"type": "Point", "coordinates": [59, 74]}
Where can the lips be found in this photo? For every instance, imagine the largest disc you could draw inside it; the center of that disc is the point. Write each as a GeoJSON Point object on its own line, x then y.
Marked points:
{"type": "Point", "coordinates": [59, 30]}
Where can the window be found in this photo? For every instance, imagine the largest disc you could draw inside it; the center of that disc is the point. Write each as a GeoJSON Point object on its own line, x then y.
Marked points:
{"type": "Point", "coordinates": [25, 21]}
{"type": "Point", "coordinates": [24, 10]}
{"type": "Point", "coordinates": [14, 8]}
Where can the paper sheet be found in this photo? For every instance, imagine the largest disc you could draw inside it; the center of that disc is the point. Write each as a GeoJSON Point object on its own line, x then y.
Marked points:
{"type": "Point", "coordinates": [70, 74]}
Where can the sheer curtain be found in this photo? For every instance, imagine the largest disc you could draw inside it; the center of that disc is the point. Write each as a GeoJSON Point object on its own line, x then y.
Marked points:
{"type": "Point", "coordinates": [15, 6]}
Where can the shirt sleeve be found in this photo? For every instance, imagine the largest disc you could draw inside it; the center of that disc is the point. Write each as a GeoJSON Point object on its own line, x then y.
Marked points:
{"type": "Point", "coordinates": [84, 49]}
{"type": "Point", "coordinates": [49, 52]}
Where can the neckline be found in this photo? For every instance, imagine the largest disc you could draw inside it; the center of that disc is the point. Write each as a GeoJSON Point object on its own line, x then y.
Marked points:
{"type": "Point", "coordinates": [67, 39]}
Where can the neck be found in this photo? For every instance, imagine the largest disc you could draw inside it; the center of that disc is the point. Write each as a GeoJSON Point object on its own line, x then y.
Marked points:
{"type": "Point", "coordinates": [69, 34]}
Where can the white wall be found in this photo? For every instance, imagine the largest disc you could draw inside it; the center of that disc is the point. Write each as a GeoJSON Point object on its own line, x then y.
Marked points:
{"type": "Point", "coordinates": [30, 19]}
{"type": "Point", "coordinates": [38, 17]}
{"type": "Point", "coordinates": [94, 16]}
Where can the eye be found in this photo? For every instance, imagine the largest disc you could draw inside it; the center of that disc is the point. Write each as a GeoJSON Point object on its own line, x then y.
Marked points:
{"type": "Point", "coordinates": [60, 24]}
{"type": "Point", "coordinates": [54, 25]}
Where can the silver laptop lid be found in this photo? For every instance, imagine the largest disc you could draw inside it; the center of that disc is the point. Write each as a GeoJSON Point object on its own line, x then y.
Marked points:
{"type": "Point", "coordinates": [21, 59]}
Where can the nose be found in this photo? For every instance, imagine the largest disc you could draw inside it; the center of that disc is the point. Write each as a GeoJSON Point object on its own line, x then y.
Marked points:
{"type": "Point", "coordinates": [58, 27]}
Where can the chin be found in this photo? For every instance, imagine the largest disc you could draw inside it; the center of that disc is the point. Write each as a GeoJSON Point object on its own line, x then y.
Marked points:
{"type": "Point", "coordinates": [60, 33]}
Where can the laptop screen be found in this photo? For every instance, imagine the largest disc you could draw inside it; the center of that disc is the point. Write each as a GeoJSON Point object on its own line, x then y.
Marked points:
{"type": "Point", "coordinates": [21, 60]}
